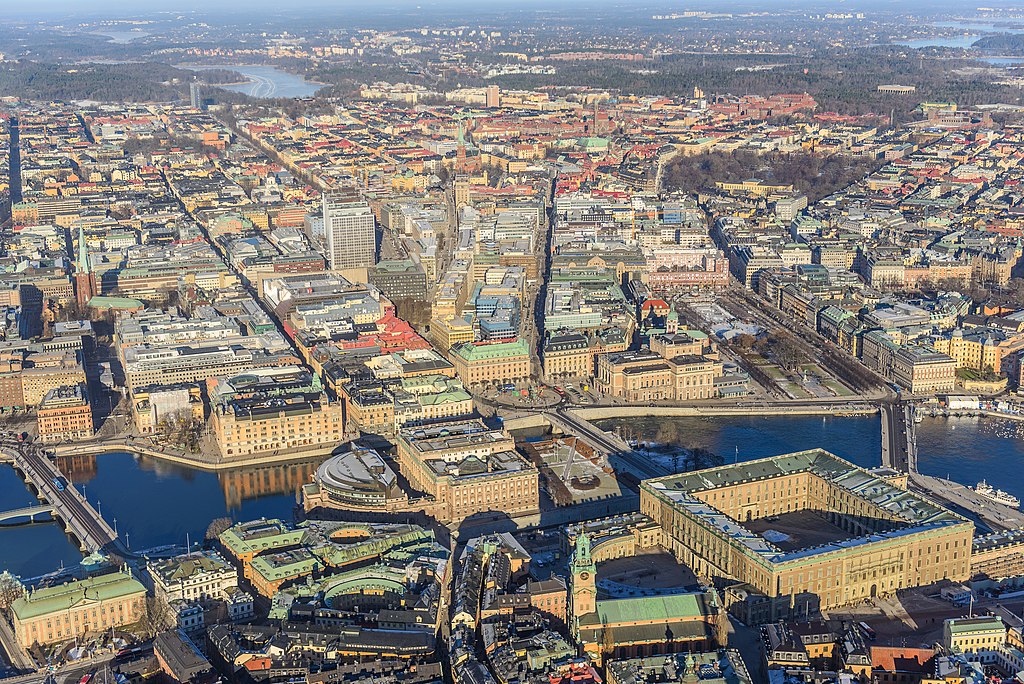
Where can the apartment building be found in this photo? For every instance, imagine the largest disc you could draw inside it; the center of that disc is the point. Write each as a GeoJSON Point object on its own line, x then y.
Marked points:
{"type": "Point", "coordinates": [64, 415]}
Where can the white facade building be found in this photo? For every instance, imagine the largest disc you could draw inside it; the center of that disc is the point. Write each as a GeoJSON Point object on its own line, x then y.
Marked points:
{"type": "Point", "coordinates": [349, 231]}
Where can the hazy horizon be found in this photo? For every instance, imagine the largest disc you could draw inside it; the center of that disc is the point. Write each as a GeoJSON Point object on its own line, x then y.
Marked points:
{"type": "Point", "coordinates": [126, 9]}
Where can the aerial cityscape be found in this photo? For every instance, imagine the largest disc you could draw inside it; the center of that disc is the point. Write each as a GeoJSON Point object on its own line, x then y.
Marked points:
{"type": "Point", "coordinates": [511, 343]}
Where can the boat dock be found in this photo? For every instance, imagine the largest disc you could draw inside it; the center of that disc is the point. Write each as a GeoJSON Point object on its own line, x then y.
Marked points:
{"type": "Point", "coordinates": [988, 515]}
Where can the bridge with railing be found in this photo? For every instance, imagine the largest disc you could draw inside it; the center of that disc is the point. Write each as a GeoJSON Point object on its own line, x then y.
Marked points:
{"type": "Point", "coordinates": [30, 513]}
{"type": "Point", "coordinates": [899, 437]}
{"type": "Point", "coordinates": [79, 519]}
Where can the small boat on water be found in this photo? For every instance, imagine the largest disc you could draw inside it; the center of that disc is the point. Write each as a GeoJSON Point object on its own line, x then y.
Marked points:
{"type": "Point", "coordinates": [997, 495]}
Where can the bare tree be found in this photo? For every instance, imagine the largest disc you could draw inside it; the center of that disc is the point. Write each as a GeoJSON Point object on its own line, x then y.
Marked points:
{"type": "Point", "coordinates": [217, 528]}
{"type": "Point", "coordinates": [181, 430]}
{"type": "Point", "coordinates": [158, 617]}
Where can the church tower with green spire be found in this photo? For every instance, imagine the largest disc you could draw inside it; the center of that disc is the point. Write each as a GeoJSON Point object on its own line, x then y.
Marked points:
{"type": "Point", "coordinates": [85, 279]}
{"type": "Point", "coordinates": [583, 592]}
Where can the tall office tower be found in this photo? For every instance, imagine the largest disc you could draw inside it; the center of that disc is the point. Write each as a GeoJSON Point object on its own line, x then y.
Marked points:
{"type": "Point", "coordinates": [195, 95]}
{"type": "Point", "coordinates": [349, 230]}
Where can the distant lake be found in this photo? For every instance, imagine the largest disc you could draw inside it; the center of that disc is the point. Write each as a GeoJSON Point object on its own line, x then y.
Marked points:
{"type": "Point", "coordinates": [976, 29]}
{"type": "Point", "coordinates": [979, 27]}
{"type": "Point", "coordinates": [123, 37]}
{"type": "Point", "coordinates": [1003, 61]}
{"type": "Point", "coordinates": [265, 81]}
{"type": "Point", "coordinates": [964, 41]}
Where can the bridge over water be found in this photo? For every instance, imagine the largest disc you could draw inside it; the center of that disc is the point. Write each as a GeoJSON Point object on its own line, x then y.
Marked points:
{"type": "Point", "coordinates": [899, 437]}
{"type": "Point", "coordinates": [79, 519]}
{"type": "Point", "coordinates": [29, 512]}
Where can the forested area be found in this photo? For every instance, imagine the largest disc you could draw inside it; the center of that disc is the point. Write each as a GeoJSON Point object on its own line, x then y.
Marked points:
{"type": "Point", "coordinates": [1002, 44]}
{"type": "Point", "coordinates": [131, 82]}
{"type": "Point", "coordinates": [814, 175]}
{"type": "Point", "coordinates": [844, 82]}
{"type": "Point", "coordinates": [219, 76]}
{"type": "Point", "coordinates": [127, 82]}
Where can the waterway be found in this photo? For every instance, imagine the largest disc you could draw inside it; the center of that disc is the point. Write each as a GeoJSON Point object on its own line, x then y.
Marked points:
{"type": "Point", "coordinates": [122, 37]}
{"type": "Point", "coordinates": [971, 449]}
{"type": "Point", "coordinates": [858, 439]}
{"type": "Point", "coordinates": [973, 31]}
{"type": "Point", "coordinates": [156, 503]}
{"type": "Point", "coordinates": [964, 449]}
{"type": "Point", "coordinates": [265, 81]}
{"type": "Point", "coordinates": [153, 503]}
{"type": "Point", "coordinates": [964, 41]}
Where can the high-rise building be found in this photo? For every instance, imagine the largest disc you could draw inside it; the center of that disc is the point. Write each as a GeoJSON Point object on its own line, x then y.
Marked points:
{"type": "Point", "coordinates": [493, 96]}
{"type": "Point", "coordinates": [461, 190]}
{"type": "Point", "coordinates": [195, 95]}
{"type": "Point", "coordinates": [349, 230]}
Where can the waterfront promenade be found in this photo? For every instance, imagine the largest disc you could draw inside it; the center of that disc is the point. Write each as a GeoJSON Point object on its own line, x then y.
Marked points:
{"type": "Point", "coordinates": [824, 408]}
{"type": "Point", "coordinates": [968, 503]}
{"type": "Point", "coordinates": [212, 462]}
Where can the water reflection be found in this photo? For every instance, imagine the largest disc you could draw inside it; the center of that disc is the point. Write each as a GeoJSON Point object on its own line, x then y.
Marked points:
{"type": "Point", "coordinates": [153, 503]}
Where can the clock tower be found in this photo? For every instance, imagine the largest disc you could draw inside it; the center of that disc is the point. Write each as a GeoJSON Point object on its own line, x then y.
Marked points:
{"type": "Point", "coordinates": [584, 581]}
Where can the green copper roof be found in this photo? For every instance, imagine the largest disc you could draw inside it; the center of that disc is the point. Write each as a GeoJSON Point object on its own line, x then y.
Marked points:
{"type": "Point", "coordinates": [480, 352]}
{"type": "Point", "coordinates": [83, 251]}
{"type": "Point", "coordinates": [257, 537]}
{"type": "Point", "coordinates": [67, 596]}
{"type": "Point", "coordinates": [978, 624]}
{"type": "Point", "coordinates": [658, 608]}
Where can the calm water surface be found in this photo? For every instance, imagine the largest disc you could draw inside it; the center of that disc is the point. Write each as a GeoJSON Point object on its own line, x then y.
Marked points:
{"type": "Point", "coordinates": [157, 504]}
{"type": "Point", "coordinates": [266, 81]}
{"type": "Point", "coordinates": [153, 503]}
{"type": "Point", "coordinates": [964, 449]}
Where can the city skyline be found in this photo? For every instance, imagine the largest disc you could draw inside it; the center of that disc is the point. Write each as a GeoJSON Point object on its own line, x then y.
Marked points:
{"type": "Point", "coordinates": [518, 343]}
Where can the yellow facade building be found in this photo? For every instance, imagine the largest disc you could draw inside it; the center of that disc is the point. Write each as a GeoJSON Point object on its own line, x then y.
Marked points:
{"type": "Point", "coordinates": [449, 332]}
{"type": "Point", "coordinates": [244, 429]}
{"type": "Point", "coordinates": [567, 356]}
{"type": "Point", "coordinates": [646, 376]}
{"type": "Point", "coordinates": [497, 362]}
{"type": "Point", "coordinates": [468, 469]}
{"type": "Point", "coordinates": [837, 532]}
{"type": "Point", "coordinates": [76, 609]}
{"type": "Point", "coordinates": [45, 371]}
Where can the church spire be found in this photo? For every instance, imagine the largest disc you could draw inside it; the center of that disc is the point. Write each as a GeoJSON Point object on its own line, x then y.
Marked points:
{"type": "Point", "coordinates": [84, 280]}
{"type": "Point", "coordinates": [582, 555]}
{"type": "Point", "coordinates": [83, 252]}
